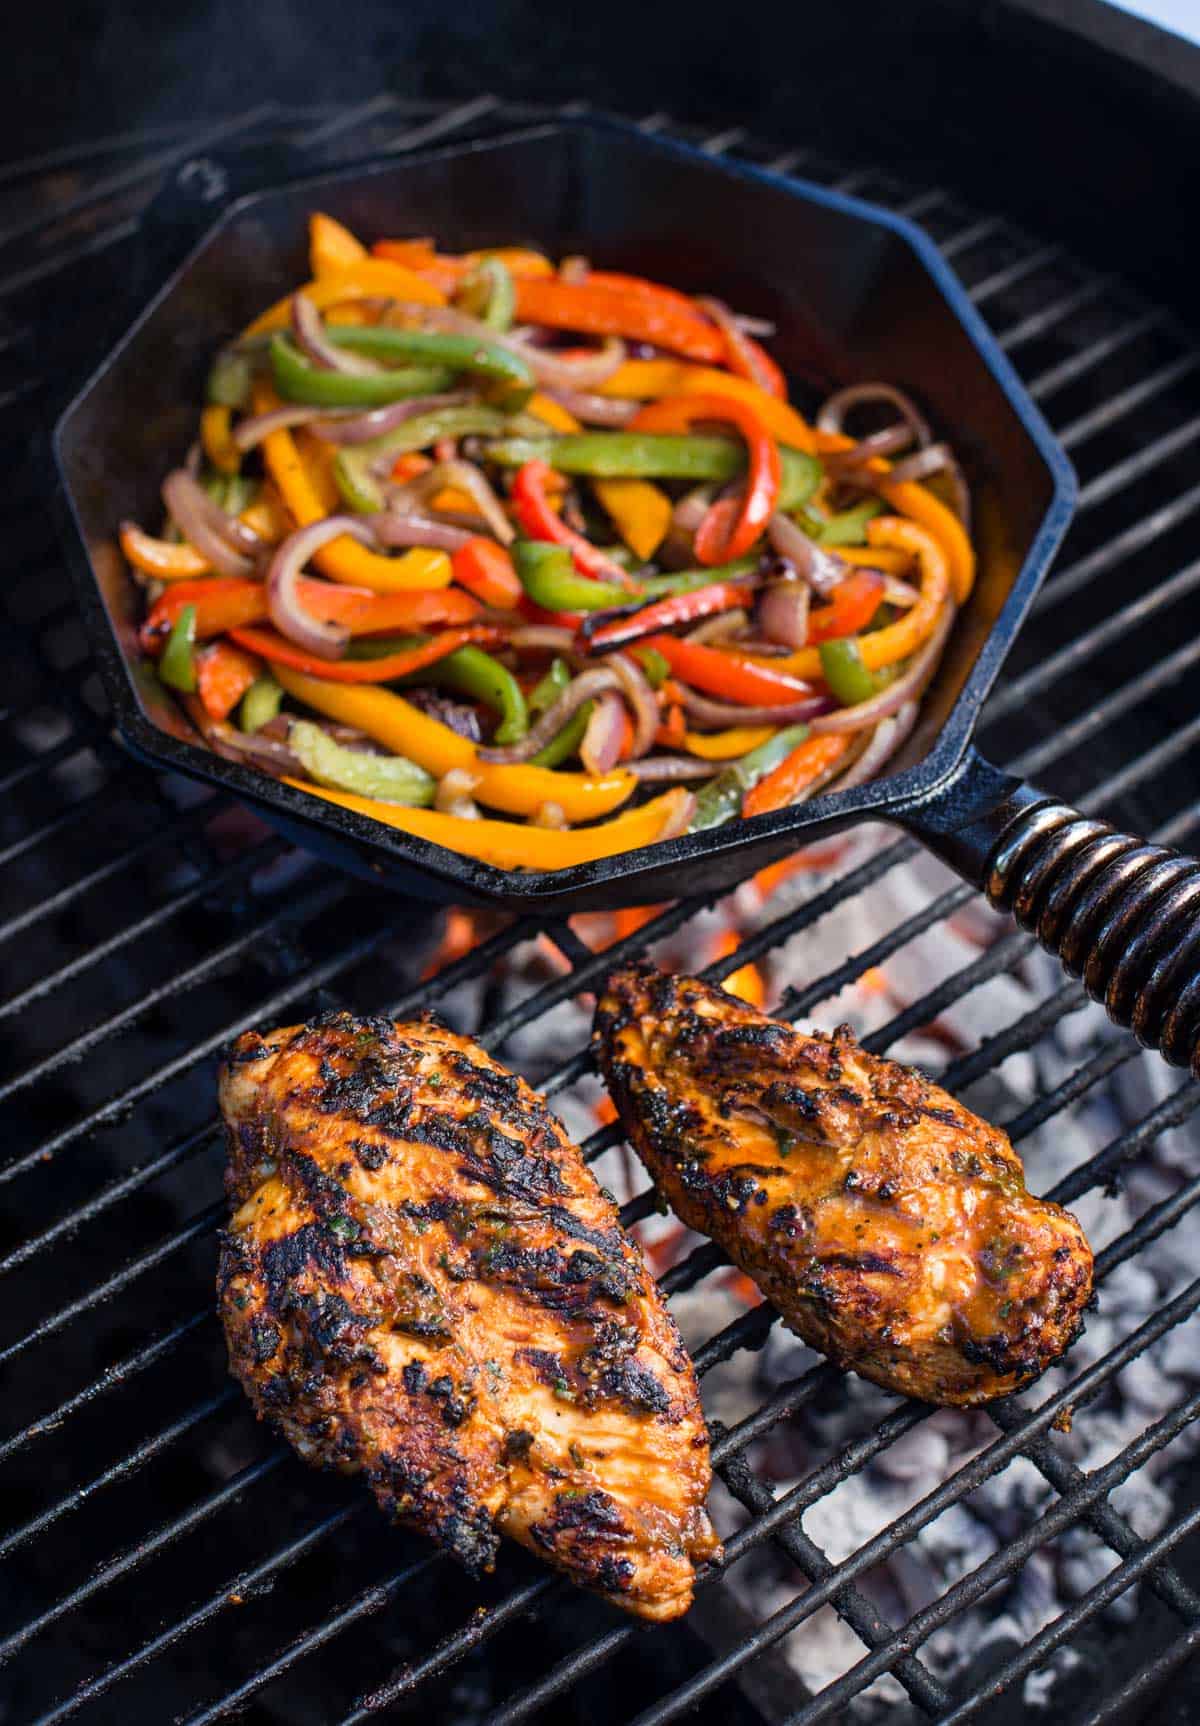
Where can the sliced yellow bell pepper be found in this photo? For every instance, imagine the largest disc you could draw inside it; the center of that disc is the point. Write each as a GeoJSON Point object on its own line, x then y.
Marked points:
{"type": "Point", "coordinates": [305, 488]}
{"type": "Point", "coordinates": [219, 446]}
{"type": "Point", "coordinates": [884, 558]}
{"type": "Point", "coordinates": [908, 498]}
{"type": "Point", "coordinates": [642, 380]}
{"type": "Point", "coordinates": [641, 512]}
{"type": "Point", "coordinates": [726, 745]}
{"type": "Point", "coordinates": [881, 647]}
{"type": "Point", "coordinates": [332, 247]}
{"type": "Point", "coordinates": [404, 729]}
{"type": "Point", "coordinates": [551, 413]}
{"type": "Point", "coordinates": [512, 844]}
{"type": "Point", "coordinates": [365, 280]}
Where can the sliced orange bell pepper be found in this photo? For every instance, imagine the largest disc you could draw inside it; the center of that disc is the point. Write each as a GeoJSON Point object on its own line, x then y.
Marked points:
{"type": "Point", "coordinates": [513, 844]}
{"type": "Point", "coordinates": [783, 784]}
{"type": "Point", "coordinates": [486, 570]}
{"type": "Point", "coordinates": [223, 675]}
{"type": "Point", "coordinates": [368, 279]}
{"type": "Point", "coordinates": [332, 248]}
{"type": "Point", "coordinates": [642, 380]}
{"type": "Point", "coordinates": [404, 729]}
{"type": "Point", "coordinates": [603, 310]}
{"type": "Point", "coordinates": [896, 641]}
{"type": "Point", "coordinates": [161, 558]}
{"type": "Point", "coordinates": [304, 489]}
{"type": "Point", "coordinates": [552, 413]}
{"type": "Point", "coordinates": [223, 604]}
{"type": "Point", "coordinates": [641, 512]}
{"type": "Point", "coordinates": [279, 651]}
{"type": "Point", "coordinates": [447, 271]}
{"type": "Point", "coordinates": [852, 605]}
{"type": "Point", "coordinates": [726, 745]}
{"type": "Point", "coordinates": [725, 534]}
{"type": "Point", "coordinates": [215, 436]}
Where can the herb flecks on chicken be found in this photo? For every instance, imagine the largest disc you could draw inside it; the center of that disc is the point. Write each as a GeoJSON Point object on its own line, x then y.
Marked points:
{"type": "Point", "coordinates": [889, 1226]}
{"type": "Point", "coordinates": [423, 1282]}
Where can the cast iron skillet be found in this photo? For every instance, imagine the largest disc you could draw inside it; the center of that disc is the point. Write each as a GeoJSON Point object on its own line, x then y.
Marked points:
{"type": "Point", "coordinates": [855, 293]}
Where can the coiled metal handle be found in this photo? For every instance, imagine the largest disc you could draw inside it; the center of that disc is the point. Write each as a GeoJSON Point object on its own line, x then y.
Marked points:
{"type": "Point", "coordinates": [1121, 914]}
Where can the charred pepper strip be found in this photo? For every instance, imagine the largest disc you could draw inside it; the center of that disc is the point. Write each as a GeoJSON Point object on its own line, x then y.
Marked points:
{"type": "Point", "coordinates": [471, 672]}
{"type": "Point", "coordinates": [669, 614]}
{"type": "Point", "coordinates": [729, 676]}
{"type": "Point", "coordinates": [280, 652]}
{"type": "Point", "coordinates": [721, 799]}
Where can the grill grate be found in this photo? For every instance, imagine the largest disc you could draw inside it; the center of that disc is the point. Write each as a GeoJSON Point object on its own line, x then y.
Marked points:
{"type": "Point", "coordinates": [147, 921]}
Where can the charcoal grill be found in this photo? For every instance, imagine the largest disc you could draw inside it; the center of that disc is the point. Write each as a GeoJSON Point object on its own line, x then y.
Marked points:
{"type": "Point", "coordinates": [164, 1559]}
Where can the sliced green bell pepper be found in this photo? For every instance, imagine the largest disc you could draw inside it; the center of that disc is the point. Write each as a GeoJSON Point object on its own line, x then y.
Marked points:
{"type": "Point", "coordinates": [298, 380]}
{"type": "Point", "coordinates": [691, 580]}
{"type": "Point", "coordinates": [843, 670]}
{"type": "Point", "coordinates": [561, 747]}
{"type": "Point", "coordinates": [260, 703]}
{"type": "Point", "coordinates": [850, 526]}
{"type": "Point", "coordinates": [390, 778]}
{"type": "Point", "coordinates": [229, 379]}
{"type": "Point", "coordinates": [721, 799]}
{"type": "Point", "coordinates": [653, 455]}
{"type": "Point", "coordinates": [177, 663]}
{"type": "Point", "coordinates": [653, 664]}
{"type": "Point", "coordinates": [353, 466]}
{"type": "Point", "coordinates": [548, 576]}
{"type": "Point", "coordinates": [489, 293]}
{"type": "Point", "coordinates": [472, 672]}
{"type": "Point", "coordinates": [549, 686]}
{"type": "Point", "coordinates": [508, 375]}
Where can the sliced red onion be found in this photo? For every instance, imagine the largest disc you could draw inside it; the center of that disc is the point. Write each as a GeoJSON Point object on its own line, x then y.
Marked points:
{"type": "Point", "coordinates": [844, 462]}
{"type": "Point", "coordinates": [761, 328]}
{"type": "Point", "coordinates": [735, 336]}
{"type": "Point", "coordinates": [720, 714]}
{"type": "Point", "coordinates": [408, 527]}
{"type": "Point", "coordinates": [343, 428]}
{"type": "Point", "coordinates": [720, 628]}
{"type": "Point", "coordinates": [465, 476]}
{"type": "Point", "coordinates": [591, 683]}
{"type": "Point", "coordinates": [640, 698]}
{"type": "Point", "coordinates": [679, 819]}
{"type": "Point", "coordinates": [901, 593]}
{"type": "Point", "coordinates": [575, 268]}
{"type": "Point", "coordinates": [813, 563]}
{"type": "Point", "coordinates": [207, 528]}
{"type": "Point", "coordinates": [886, 739]}
{"type": "Point", "coordinates": [604, 735]}
{"type": "Point", "coordinates": [252, 749]}
{"type": "Point", "coordinates": [543, 638]}
{"type": "Point", "coordinates": [454, 795]}
{"type": "Point", "coordinates": [907, 687]}
{"type": "Point", "coordinates": [937, 458]}
{"type": "Point", "coordinates": [579, 372]}
{"type": "Point", "coordinates": [326, 639]}
{"type": "Point", "coordinates": [833, 411]}
{"type": "Point", "coordinates": [593, 409]}
{"type": "Point", "coordinates": [252, 430]}
{"type": "Point", "coordinates": [783, 612]}
{"type": "Point", "coordinates": [672, 769]}
{"type": "Point", "coordinates": [310, 334]}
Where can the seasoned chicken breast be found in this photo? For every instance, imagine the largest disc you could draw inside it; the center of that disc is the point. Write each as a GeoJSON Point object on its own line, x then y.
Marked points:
{"type": "Point", "coordinates": [888, 1225]}
{"type": "Point", "coordinates": [423, 1282]}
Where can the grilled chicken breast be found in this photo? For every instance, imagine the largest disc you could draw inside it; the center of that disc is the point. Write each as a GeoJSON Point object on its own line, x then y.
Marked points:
{"type": "Point", "coordinates": [888, 1225]}
{"type": "Point", "coordinates": [423, 1282]}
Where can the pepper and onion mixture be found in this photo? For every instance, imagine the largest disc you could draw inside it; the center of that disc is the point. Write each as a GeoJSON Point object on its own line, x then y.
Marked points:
{"type": "Point", "coordinates": [539, 563]}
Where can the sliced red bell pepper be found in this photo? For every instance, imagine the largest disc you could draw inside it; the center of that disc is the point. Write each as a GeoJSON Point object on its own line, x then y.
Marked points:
{"type": "Point", "coordinates": [223, 604]}
{"type": "Point", "coordinates": [669, 613]}
{"type": "Point", "coordinates": [223, 675]}
{"type": "Point", "coordinates": [851, 607]}
{"type": "Point", "coordinates": [539, 521]}
{"type": "Point", "coordinates": [808, 761]}
{"type": "Point", "coordinates": [280, 651]}
{"type": "Point", "coordinates": [486, 570]}
{"type": "Point", "coordinates": [725, 533]}
{"type": "Point", "coordinates": [747, 359]}
{"type": "Point", "coordinates": [727, 675]}
{"type": "Point", "coordinates": [643, 314]}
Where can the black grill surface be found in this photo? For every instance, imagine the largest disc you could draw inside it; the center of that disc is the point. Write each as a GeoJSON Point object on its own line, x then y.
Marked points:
{"type": "Point", "coordinates": [164, 1557]}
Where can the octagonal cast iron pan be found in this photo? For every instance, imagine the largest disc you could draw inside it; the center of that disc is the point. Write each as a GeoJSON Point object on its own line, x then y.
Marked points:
{"type": "Point", "coordinates": [855, 293]}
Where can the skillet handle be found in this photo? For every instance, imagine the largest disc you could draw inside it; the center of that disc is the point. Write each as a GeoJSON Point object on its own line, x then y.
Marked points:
{"type": "Point", "coordinates": [1122, 915]}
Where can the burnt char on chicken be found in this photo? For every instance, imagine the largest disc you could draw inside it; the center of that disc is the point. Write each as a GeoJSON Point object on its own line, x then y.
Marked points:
{"type": "Point", "coordinates": [423, 1282]}
{"type": "Point", "coordinates": [889, 1226]}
